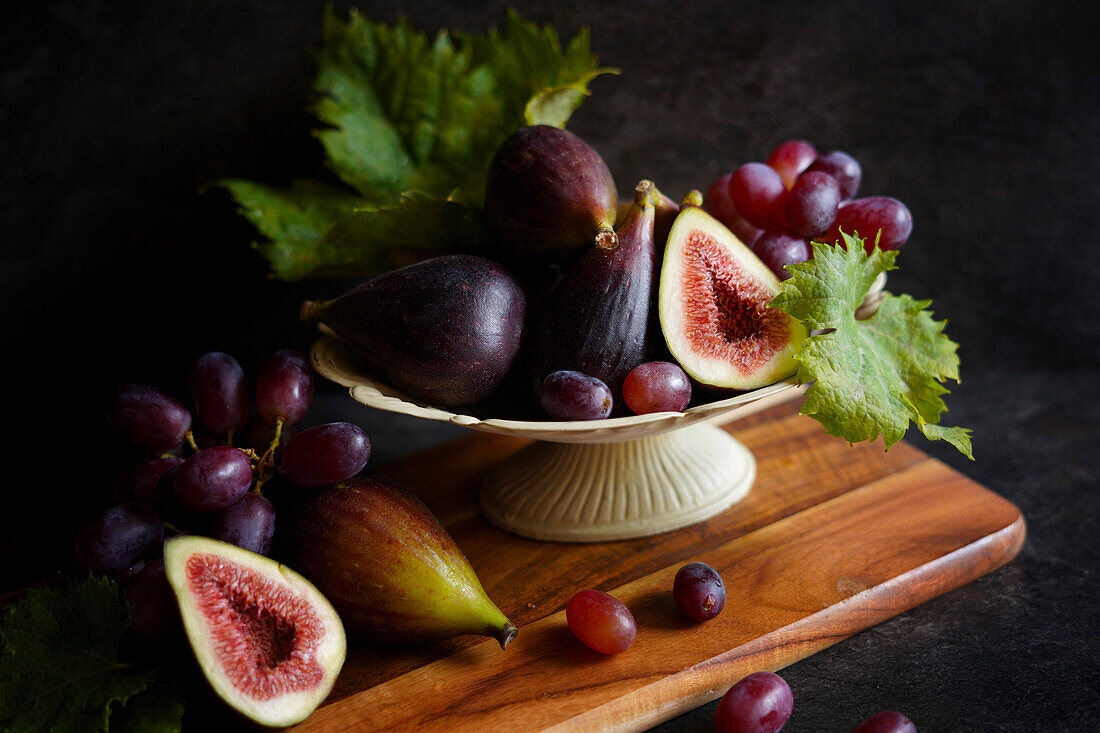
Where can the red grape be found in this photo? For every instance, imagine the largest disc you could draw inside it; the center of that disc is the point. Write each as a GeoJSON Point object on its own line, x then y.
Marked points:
{"type": "Point", "coordinates": [718, 203]}
{"type": "Point", "coordinates": [760, 703]}
{"type": "Point", "coordinates": [812, 204]}
{"type": "Point", "coordinates": [867, 216]}
{"type": "Point", "coordinates": [148, 416]}
{"type": "Point", "coordinates": [221, 393]}
{"type": "Point", "coordinates": [778, 248]}
{"type": "Point", "coordinates": [284, 387]}
{"type": "Point", "coordinates": [843, 168]}
{"type": "Point", "coordinates": [153, 608]}
{"type": "Point", "coordinates": [790, 158]}
{"type": "Point", "coordinates": [326, 454]}
{"type": "Point", "coordinates": [250, 523]}
{"type": "Point", "coordinates": [601, 621]}
{"type": "Point", "coordinates": [118, 538]}
{"type": "Point", "coordinates": [656, 386]}
{"type": "Point", "coordinates": [887, 721]}
{"type": "Point", "coordinates": [759, 195]}
{"type": "Point", "coordinates": [569, 395]}
{"type": "Point", "coordinates": [213, 479]}
{"type": "Point", "coordinates": [698, 591]}
{"type": "Point", "coordinates": [140, 482]}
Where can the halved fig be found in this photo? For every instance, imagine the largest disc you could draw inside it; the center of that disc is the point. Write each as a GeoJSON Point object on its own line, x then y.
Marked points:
{"type": "Point", "coordinates": [713, 303]}
{"type": "Point", "coordinates": [268, 642]}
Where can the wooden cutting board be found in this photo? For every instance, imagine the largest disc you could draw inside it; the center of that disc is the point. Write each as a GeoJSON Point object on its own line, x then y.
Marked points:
{"type": "Point", "coordinates": [832, 539]}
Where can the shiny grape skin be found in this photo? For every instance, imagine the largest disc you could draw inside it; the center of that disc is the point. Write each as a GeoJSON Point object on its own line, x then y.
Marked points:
{"type": "Point", "coordinates": [119, 537]}
{"type": "Point", "coordinates": [718, 203]}
{"type": "Point", "coordinates": [698, 591]}
{"type": "Point", "coordinates": [284, 387]}
{"type": "Point", "coordinates": [250, 523]}
{"type": "Point", "coordinates": [220, 390]}
{"type": "Point", "coordinates": [140, 482]}
{"type": "Point", "coordinates": [213, 479]}
{"type": "Point", "coordinates": [569, 395]}
{"type": "Point", "coordinates": [759, 703]}
{"type": "Point", "coordinates": [790, 158]}
{"type": "Point", "coordinates": [888, 721]}
{"type": "Point", "coordinates": [656, 386]}
{"type": "Point", "coordinates": [326, 454]}
{"type": "Point", "coordinates": [867, 216]}
{"type": "Point", "coordinates": [778, 248]}
{"type": "Point", "coordinates": [760, 195]}
{"type": "Point", "coordinates": [600, 621]}
{"type": "Point", "coordinates": [147, 416]}
{"type": "Point", "coordinates": [153, 608]}
{"type": "Point", "coordinates": [812, 204]}
{"type": "Point", "coordinates": [843, 168]}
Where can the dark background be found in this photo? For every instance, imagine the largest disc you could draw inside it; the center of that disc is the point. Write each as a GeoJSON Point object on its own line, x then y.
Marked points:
{"type": "Point", "coordinates": [981, 116]}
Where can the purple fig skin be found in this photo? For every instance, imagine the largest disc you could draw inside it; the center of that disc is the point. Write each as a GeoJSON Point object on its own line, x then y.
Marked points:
{"type": "Point", "coordinates": [548, 193]}
{"type": "Point", "coordinates": [444, 330]}
{"type": "Point", "coordinates": [388, 566]}
{"type": "Point", "coordinates": [597, 319]}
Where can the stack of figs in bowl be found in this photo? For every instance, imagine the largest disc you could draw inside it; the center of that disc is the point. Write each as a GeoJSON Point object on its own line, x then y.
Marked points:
{"type": "Point", "coordinates": [613, 335]}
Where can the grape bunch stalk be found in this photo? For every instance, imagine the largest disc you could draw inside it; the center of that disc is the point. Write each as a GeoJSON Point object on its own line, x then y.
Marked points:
{"type": "Point", "coordinates": [208, 478]}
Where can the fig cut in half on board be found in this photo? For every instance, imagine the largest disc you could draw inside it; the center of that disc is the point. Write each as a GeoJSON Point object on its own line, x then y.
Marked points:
{"type": "Point", "coordinates": [713, 303]}
{"type": "Point", "coordinates": [267, 640]}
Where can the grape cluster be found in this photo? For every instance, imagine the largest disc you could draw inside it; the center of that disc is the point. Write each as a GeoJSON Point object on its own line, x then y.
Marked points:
{"type": "Point", "coordinates": [776, 208]}
{"type": "Point", "coordinates": [208, 478]}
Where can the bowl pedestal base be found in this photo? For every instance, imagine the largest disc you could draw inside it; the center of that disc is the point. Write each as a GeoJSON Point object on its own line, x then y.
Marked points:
{"type": "Point", "coordinates": [593, 492]}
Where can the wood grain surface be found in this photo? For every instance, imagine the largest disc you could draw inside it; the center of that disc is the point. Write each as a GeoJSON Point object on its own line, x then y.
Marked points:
{"type": "Point", "coordinates": [831, 540]}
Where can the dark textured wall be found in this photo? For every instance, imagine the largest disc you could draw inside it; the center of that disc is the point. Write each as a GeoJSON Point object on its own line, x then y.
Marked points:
{"type": "Point", "coordinates": [982, 116]}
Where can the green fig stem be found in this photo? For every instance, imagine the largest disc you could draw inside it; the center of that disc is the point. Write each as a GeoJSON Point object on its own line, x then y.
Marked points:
{"type": "Point", "coordinates": [606, 238]}
{"type": "Point", "coordinates": [504, 635]}
{"type": "Point", "coordinates": [694, 197]}
{"type": "Point", "coordinates": [267, 460]}
{"type": "Point", "coordinates": [190, 438]}
{"type": "Point", "coordinates": [645, 193]}
{"type": "Point", "coordinates": [310, 312]}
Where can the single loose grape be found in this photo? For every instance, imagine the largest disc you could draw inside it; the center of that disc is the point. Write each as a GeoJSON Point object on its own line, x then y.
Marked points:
{"type": "Point", "coordinates": [698, 591]}
{"type": "Point", "coordinates": [778, 248]}
{"type": "Point", "coordinates": [601, 621]}
{"type": "Point", "coordinates": [888, 721]}
{"type": "Point", "coordinates": [119, 537]}
{"type": "Point", "coordinates": [760, 703]}
{"type": "Point", "coordinates": [570, 395]}
{"type": "Point", "coordinates": [656, 386]}
{"type": "Point", "coordinates": [213, 479]}
{"type": "Point", "coordinates": [250, 523]}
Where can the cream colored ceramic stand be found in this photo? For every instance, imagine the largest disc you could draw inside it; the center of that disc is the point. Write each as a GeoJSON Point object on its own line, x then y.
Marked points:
{"type": "Point", "coordinates": [585, 492]}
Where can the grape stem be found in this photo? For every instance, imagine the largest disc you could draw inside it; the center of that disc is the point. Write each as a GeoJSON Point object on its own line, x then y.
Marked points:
{"type": "Point", "coordinates": [229, 436]}
{"type": "Point", "coordinates": [190, 438]}
{"type": "Point", "coordinates": [267, 460]}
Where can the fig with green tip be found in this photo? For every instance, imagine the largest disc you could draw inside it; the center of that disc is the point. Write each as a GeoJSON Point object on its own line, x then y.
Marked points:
{"type": "Point", "coordinates": [389, 567]}
{"type": "Point", "coordinates": [713, 303]}
{"type": "Point", "coordinates": [268, 642]}
{"type": "Point", "coordinates": [549, 193]}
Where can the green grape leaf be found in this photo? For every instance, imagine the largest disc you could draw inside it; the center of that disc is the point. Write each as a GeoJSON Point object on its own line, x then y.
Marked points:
{"type": "Point", "coordinates": [541, 83]}
{"type": "Point", "coordinates": [402, 112]}
{"type": "Point", "coordinates": [293, 220]}
{"type": "Point", "coordinates": [59, 667]}
{"type": "Point", "coordinates": [869, 377]}
{"type": "Point", "coordinates": [369, 241]}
